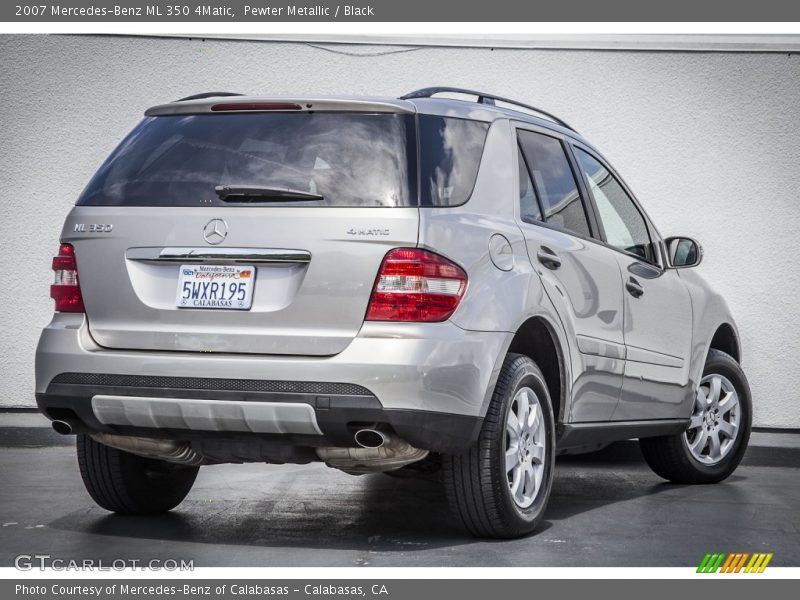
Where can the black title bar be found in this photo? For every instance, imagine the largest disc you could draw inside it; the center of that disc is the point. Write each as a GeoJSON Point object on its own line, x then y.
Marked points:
{"type": "Point", "coordinates": [151, 11]}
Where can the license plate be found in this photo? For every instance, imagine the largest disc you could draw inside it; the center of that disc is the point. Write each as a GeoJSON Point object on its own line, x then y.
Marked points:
{"type": "Point", "coordinates": [216, 286]}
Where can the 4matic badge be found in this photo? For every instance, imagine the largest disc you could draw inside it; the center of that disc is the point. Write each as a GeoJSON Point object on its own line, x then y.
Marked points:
{"type": "Point", "coordinates": [368, 231]}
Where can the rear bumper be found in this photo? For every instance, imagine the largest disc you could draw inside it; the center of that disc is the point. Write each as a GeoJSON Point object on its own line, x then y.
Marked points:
{"type": "Point", "coordinates": [429, 382]}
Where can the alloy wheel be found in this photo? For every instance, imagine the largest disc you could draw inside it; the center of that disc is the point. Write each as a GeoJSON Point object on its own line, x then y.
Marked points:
{"type": "Point", "coordinates": [714, 425]}
{"type": "Point", "coordinates": [525, 447]}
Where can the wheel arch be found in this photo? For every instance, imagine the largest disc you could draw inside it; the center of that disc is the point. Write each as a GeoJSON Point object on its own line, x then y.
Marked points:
{"type": "Point", "coordinates": [726, 340]}
{"type": "Point", "coordinates": [538, 339]}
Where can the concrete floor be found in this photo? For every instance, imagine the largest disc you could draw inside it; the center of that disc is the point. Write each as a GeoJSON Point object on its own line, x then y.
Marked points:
{"type": "Point", "coordinates": [607, 509]}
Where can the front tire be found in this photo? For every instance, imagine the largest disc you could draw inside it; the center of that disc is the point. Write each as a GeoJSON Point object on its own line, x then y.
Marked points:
{"type": "Point", "coordinates": [128, 484]}
{"type": "Point", "coordinates": [719, 430]}
{"type": "Point", "coordinates": [500, 487]}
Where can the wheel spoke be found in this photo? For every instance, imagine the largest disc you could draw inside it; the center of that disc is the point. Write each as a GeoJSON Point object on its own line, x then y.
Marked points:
{"type": "Point", "coordinates": [517, 485]}
{"type": "Point", "coordinates": [716, 386]}
{"type": "Point", "coordinates": [714, 447]}
{"type": "Point", "coordinates": [700, 443]}
{"type": "Point", "coordinates": [700, 400]}
{"type": "Point", "coordinates": [537, 453]}
{"type": "Point", "coordinates": [729, 429]}
{"type": "Point", "coordinates": [512, 458]}
{"type": "Point", "coordinates": [730, 400]}
{"type": "Point", "coordinates": [696, 421]}
{"type": "Point", "coordinates": [535, 418]}
{"type": "Point", "coordinates": [530, 481]}
{"type": "Point", "coordinates": [523, 409]}
{"type": "Point", "coordinates": [513, 424]}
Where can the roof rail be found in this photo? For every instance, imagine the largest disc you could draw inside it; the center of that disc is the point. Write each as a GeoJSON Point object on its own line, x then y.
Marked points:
{"type": "Point", "coordinates": [207, 95]}
{"type": "Point", "coordinates": [483, 98]}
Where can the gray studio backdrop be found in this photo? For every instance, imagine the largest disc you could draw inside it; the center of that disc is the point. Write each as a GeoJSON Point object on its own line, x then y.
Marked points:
{"type": "Point", "coordinates": [709, 141]}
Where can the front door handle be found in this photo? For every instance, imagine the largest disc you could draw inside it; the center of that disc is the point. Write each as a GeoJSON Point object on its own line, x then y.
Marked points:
{"type": "Point", "coordinates": [548, 258]}
{"type": "Point", "coordinates": [634, 288]}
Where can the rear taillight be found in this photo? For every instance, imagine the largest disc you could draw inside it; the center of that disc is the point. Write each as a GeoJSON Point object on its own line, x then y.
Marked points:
{"type": "Point", "coordinates": [66, 290]}
{"type": "Point", "coordinates": [416, 285]}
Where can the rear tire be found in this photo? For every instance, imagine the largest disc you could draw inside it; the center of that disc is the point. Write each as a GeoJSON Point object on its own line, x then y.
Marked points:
{"type": "Point", "coordinates": [691, 457]}
{"type": "Point", "coordinates": [478, 482]}
{"type": "Point", "coordinates": [128, 484]}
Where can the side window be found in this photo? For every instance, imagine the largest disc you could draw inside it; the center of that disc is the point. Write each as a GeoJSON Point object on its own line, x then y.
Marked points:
{"type": "Point", "coordinates": [554, 182]}
{"type": "Point", "coordinates": [450, 154]}
{"type": "Point", "coordinates": [624, 225]}
{"type": "Point", "coordinates": [528, 204]}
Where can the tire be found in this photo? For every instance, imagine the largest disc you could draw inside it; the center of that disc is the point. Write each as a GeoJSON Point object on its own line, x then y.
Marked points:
{"type": "Point", "coordinates": [671, 456]}
{"type": "Point", "coordinates": [128, 484]}
{"type": "Point", "coordinates": [477, 483]}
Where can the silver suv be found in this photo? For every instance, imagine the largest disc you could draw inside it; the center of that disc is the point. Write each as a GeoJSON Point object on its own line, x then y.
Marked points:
{"type": "Point", "coordinates": [449, 282]}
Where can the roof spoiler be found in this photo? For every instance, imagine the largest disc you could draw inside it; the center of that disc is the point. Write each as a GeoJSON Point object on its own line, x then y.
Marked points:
{"type": "Point", "coordinates": [205, 103]}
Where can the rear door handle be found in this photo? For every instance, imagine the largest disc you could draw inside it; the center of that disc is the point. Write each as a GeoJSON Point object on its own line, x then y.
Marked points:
{"type": "Point", "coordinates": [548, 258]}
{"type": "Point", "coordinates": [634, 288]}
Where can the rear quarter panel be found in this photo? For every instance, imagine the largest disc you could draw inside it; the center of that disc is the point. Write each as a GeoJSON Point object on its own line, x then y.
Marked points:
{"type": "Point", "coordinates": [496, 300]}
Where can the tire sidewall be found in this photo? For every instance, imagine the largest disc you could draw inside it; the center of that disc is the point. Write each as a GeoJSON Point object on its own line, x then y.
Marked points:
{"type": "Point", "coordinates": [526, 375]}
{"type": "Point", "coordinates": [722, 364]}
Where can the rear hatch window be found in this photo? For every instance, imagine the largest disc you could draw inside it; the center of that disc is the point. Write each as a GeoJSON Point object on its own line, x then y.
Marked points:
{"type": "Point", "coordinates": [350, 160]}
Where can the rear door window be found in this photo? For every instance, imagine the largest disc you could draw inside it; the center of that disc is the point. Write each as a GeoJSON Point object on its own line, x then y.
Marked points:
{"type": "Point", "coordinates": [350, 159]}
{"type": "Point", "coordinates": [554, 182]}
{"type": "Point", "coordinates": [528, 204]}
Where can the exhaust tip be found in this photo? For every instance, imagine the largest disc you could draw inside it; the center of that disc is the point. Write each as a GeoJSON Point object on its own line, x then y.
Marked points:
{"type": "Point", "coordinates": [369, 438]}
{"type": "Point", "coordinates": [62, 427]}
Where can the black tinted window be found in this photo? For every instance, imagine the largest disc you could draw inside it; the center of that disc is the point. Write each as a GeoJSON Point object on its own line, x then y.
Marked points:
{"type": "Point", "coordinates": [349, 159]}
{"type": "Point", "coordinates": [450, 153]}
{"type": "Point", "coordinates": [554, 182]}
{"type": "Point", "coordinates": [528, 204]}
{"type": "Point", "coordinates": [624, 225]}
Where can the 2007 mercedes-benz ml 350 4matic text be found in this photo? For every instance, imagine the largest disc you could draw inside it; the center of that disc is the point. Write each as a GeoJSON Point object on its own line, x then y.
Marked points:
{"type": "Point", "coordinates": [449, 282]}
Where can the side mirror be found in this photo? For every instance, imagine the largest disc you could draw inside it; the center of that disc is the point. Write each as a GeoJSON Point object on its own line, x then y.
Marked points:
{"type": "Point", "coordinates": [683, 252]}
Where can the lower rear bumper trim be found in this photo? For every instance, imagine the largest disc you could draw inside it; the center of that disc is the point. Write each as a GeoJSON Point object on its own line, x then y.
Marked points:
{"type": "Point", "coordinates": [206, 415]}
{"type": "Point", "coordinates": [291, 418]}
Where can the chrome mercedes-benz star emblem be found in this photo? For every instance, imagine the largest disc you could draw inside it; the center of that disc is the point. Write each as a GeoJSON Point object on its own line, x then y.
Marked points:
{"type": "Point", "coordinates": [215, 231]}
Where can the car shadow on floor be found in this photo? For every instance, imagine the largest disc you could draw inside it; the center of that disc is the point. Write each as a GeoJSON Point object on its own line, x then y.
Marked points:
{"type": "Point", "coordinates": [619, 473]}
{"type": "Point", "coordinates": [381, 514]}
{"type": "Point", "coordinates": [320, 508]}
{"type": "Point", "coordinates": [315, 507]}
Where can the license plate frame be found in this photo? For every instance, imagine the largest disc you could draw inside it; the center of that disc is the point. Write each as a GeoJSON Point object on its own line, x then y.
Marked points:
{"type": "Point", "coordinates": [215, 287]}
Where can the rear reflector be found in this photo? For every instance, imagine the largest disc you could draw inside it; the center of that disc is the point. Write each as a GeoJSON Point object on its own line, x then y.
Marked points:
{"type": "Point", "coordinates": [228, 106]}
{"type": "Point", "coordinates": [416, 285]}
{"type": "Point", "coordinates": [66, 289]}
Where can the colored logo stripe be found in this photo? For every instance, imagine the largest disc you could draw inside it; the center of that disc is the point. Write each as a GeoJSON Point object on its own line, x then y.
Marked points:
{"type": "Point", "coordinates": [758, 563]}
{"type": "Point", "coordinates": [735, 562]}
{"type": "Point", "coordinates": [727, 567]}
{"type": "Point", "coordinates": [710, 563]}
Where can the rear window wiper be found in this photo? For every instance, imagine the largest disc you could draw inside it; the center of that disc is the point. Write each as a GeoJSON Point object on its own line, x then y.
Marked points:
{"type": "Point", "coordinates": [254, 193]}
